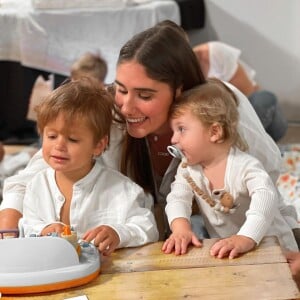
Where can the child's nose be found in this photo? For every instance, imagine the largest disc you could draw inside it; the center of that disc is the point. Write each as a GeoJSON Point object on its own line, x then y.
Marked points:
{"type": "Point", "coordinates": [60, 144]}
{"type": "Point", "coordinates": [174, 139]}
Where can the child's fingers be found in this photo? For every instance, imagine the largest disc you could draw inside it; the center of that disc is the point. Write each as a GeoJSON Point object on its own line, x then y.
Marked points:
{"type": "Point", "coordinates": [195, 241]}
{"type": "Point", "coordinates": [169, 246]}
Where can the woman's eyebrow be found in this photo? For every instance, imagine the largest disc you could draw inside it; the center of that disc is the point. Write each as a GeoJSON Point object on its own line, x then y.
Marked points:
{"type": "Point", "coordinates": [141, 89]}
{"type": "Point", "coordinates": [119, 83]}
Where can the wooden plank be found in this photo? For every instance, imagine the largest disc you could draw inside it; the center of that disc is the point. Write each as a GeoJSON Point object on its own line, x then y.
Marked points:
{"type": "Point", "coordinates": [150, 257]}
{"type": "Point", "coordinates": [264, 281]}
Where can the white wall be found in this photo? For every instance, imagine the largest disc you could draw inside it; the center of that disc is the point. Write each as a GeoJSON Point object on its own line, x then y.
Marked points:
{"type": "Point", "coordinates": [268, 33]}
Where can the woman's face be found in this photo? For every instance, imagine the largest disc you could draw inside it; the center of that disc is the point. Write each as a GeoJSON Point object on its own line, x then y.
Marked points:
{"type": "Point", "coordinates": [143, 102]}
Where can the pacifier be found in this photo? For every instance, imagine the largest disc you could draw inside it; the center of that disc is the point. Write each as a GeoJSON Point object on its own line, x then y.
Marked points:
{"type": "Point", "coordinates": [175, 152]}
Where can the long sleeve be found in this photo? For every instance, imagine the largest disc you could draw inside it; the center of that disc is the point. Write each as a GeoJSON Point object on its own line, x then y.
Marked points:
{"type": "Point", "coordinates": [179, 200]}
{"type": "Point", "coordinates": [263, 203]}
{"type": "Point", "coordinates": [139, 227]}
{"type": "Point", "coordinates": [14, 186]}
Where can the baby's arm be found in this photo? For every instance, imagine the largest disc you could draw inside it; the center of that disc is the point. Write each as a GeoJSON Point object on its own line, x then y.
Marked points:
{"type": "Point", "coordinates": [263, 203]}
{"type": "Point", "coordinates": [179, 210]}
{"type": "Point", "coordinates": [130, 225]}
{"type": "Point", "coordinates": [182, 235]}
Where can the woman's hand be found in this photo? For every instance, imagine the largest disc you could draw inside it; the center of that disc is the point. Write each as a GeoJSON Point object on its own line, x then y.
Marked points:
{"type": "Point", "coordinates": [232, 247]}
{"type": "Point", "coordinates": [105, 238]}
{"type": "Point", "coordinates": [293, 258]}
{"type": "Point", "coordinates": [55, 227]}
{"type": "Point", "coordinates": [181, 237]}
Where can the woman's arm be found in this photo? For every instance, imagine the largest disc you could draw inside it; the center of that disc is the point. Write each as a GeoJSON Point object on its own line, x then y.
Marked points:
{"type": "Point", "coordinates": [241, 81]}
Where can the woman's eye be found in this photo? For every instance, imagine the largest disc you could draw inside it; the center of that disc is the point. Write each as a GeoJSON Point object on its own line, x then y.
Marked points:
{"type": "Point", "coordinates": [122, 91]}
{"type": "Point", "coordinates": [145, 96]}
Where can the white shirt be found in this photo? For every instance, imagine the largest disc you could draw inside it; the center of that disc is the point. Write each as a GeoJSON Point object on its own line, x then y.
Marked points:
{"type": "Point", "coordinates": [224, 60]}
{"type": "Point", "coordinates": [102, 197]}
{"type": "Point", "coordinates": [255, 212]}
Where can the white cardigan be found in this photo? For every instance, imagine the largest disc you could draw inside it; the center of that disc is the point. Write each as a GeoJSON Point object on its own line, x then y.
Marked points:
{"type": "Point", "coordinates": [255, 213]}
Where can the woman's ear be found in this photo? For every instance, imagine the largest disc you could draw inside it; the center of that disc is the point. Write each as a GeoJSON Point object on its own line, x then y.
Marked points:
{"type": "Point", "coordinates": [216, 133]}
{"type": "Point", "coordinates": [100, 146]}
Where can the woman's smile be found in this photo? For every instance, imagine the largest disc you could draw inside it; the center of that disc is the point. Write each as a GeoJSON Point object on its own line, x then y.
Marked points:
{"type": "Point", "coordinates": [144, 102]}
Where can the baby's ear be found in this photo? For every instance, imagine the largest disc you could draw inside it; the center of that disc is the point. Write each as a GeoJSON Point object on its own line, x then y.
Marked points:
{"type": "Point", "coordinates": [216, 133]}
{"type": "Point", "coordinates": [101, 146]}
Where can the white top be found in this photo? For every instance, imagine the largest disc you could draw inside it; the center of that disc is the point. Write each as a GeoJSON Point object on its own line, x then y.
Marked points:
{"type": "Point", "coordinates": [102, 197]}
{"type": "Point", "coordinates": [260, 143]}
{"type": "Point", "coordinates": [255, 213]}
{"type": "Point", "coordinates": [224, 60]}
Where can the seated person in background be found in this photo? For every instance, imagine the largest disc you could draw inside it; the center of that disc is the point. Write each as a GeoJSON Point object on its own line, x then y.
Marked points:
{"type": "Point", "coordinates": [223, 61]}
{"type": "Point", "coordinates": [101, 204]}
{"type": "Point", "coordinates": [90, 64]}
{"type": "Point", "coordinates": [236, 197]}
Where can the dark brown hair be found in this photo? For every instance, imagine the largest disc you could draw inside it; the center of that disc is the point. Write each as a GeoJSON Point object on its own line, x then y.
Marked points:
{"type": "Point", "coordinates": [166, 57]}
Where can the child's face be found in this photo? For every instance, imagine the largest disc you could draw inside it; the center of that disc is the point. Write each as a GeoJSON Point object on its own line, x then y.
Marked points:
{"type": "Point", "coordinates": [191, 137]}
{"type": "Point", "coordinates": [70, 148]}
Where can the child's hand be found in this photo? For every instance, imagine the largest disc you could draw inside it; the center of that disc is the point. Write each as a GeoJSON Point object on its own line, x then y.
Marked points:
{"type": "Point", "coordinates": [232, 247]}
{"type": "Point", "coordinates": [180, 242]}
{"type": "Point", "coordinates": [105, 238]}
{"type": "Point", "coordinates": [181, 237]}
{"type": "Point", "coordinates": [55, 227]}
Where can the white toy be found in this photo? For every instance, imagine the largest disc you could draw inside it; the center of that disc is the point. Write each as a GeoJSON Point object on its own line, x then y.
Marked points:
{"type": "Point", "coordinates": [42, 264]}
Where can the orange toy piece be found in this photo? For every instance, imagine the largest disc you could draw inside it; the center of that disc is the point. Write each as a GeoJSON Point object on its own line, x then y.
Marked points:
{"type": "Point", "coordinates": [71, 236]}
{"type": "Point", "coordinates": [67, 230]}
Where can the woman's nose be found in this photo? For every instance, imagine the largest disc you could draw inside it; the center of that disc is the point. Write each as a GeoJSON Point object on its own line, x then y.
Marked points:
{"type": "Point", "coordinates": [128, 105]}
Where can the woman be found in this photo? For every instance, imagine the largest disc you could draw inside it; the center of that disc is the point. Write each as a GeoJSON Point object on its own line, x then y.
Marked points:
{"type": "Point", "coordinates": [153, 68]}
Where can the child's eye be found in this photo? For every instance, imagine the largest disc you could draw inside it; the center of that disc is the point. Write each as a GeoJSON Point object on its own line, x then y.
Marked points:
{"type": "Point", "coordinates": [51, 136]}
{"type": "Point", "coordinates": [73, 140]}
{"type": "Point", "coordinates": [181, 129]}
